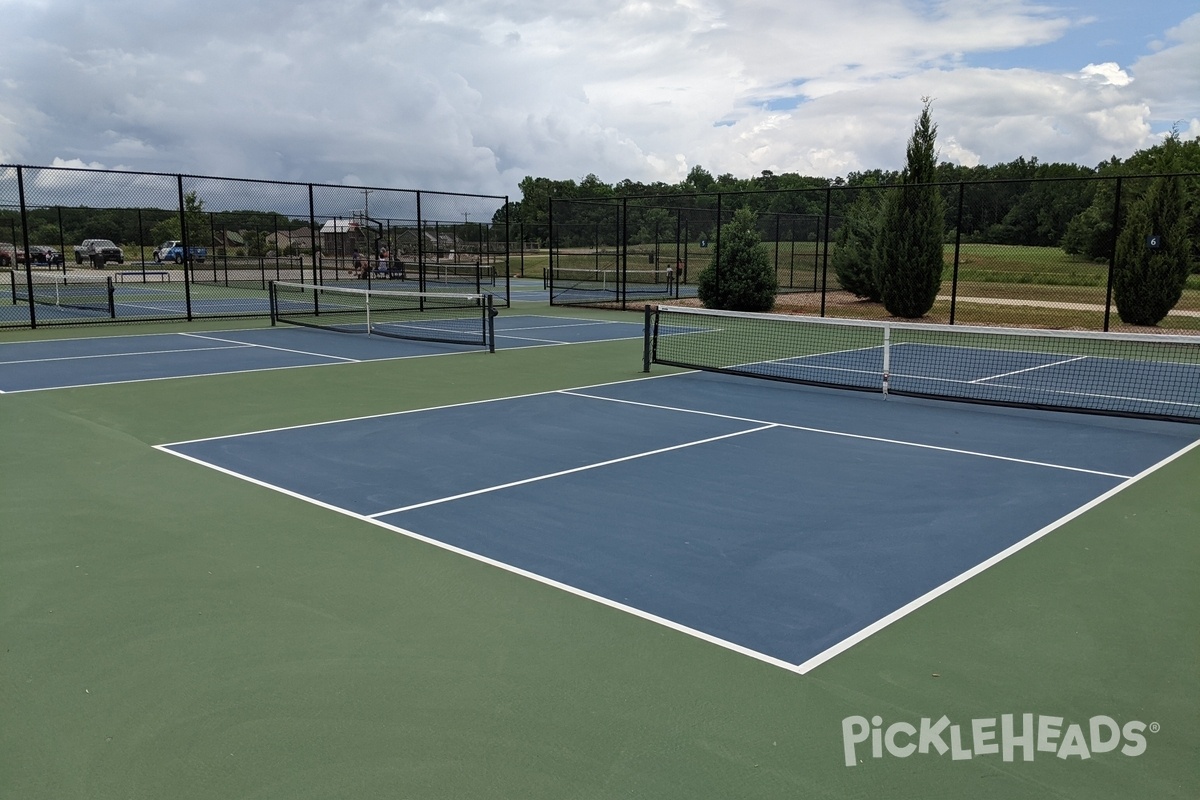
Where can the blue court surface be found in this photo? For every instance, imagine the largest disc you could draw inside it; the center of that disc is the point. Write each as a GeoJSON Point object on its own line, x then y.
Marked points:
{"type": "Point", "coordinates": [781, 521]}
{"type": "Point", "coordinates": [28, 366]}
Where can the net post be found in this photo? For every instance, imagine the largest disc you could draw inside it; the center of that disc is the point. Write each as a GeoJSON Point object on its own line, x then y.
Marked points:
{"type": "Point", "coordinates": [887, 359]}
{"type": "Point", "coordinates": [274, 302]}
{"type": "Point", "coordinates": [646, 338]}
{"type": "Point", "coordinates": [112, 303]}
{"type": "Point", "coordinates": [490, 322]}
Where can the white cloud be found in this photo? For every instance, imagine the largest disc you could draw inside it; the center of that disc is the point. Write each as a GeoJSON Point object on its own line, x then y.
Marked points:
{"type": "Point", "coordinates": [473, 96]}
{"type": "Point", "coordinates": [1108, 72]}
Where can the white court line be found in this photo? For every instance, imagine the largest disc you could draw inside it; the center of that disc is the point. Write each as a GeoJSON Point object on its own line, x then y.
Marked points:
{"type": "Point", "coordinates": [584, 324]}
{"type": "Point", "coordinates": [533, 576]}
{"type": "Point", "coordinates": [235, 343]}
{"type": "Point", "coordinates": [1029, 369]}
{"type": "Point", "coordinates": [463, 404]}
{"type": "Point", "coordinates": [122, 355]}
{"type": "Point", "coordinates": [958, 580]}
{"type": "Point", "coordinates": [571, 471]}
{"type": "Point", "coordinates": [221, 373]}
{"type": "Point", "coordinates": [827, 432]}
{"type": "Point", "coordinates": [280, 349]}
{"type": "Point", "coordinates": [506, 336]}
{"type": "Point", "coordinates": [801, 668]}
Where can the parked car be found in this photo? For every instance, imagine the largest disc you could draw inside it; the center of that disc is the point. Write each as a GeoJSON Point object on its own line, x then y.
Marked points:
{"type": "Point", "coordinates": [8, 254]}
{"type": "Point", "coordinates": [41, 255]}
{"type": "Point", "coordinates": [173, 251]}
{"type": "Point", "coordinates": [98, 252]}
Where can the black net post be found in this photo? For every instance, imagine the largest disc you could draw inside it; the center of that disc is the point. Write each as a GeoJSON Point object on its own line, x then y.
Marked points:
{"type": "Point", "coordinates": [1112, 253]}
{"type": "Point", "coordinates": [490, 322]}
{"type": "Point", "coordinates": [957, 253]}
{"type": "Point", "coordinates": [646, 337]}
{"type": "Point", "coordinates": [111, 295]}
{"type": "Point", "coordinates": [183, 230]}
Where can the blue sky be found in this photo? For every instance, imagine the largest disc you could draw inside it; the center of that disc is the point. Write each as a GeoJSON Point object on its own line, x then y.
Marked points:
{"type": "Point", "coordinates": [1104, 31]}
{"type": "Point", "coordinates": [474, 95]}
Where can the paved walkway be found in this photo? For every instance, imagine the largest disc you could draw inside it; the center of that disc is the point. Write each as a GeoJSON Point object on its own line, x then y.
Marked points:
{"type": "Point", "coordinates": [1009, 301]}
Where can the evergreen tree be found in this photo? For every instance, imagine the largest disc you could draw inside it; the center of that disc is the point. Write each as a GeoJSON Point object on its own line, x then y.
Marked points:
{"type": "Point", "coordinates": [1148, 280]}
{"type": "Point", "coordinates": [851, 258]}
{"type": "Point", "coordinates": [908, 251]}
{"type": "Point", "coordinates": [746, 280]}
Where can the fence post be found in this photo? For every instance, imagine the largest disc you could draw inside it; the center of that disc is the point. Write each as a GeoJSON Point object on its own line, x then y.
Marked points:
{"type": "Point", "coordinates": [62, 239]}
{"type": "Point", "coordinates": [623, 269]}
{"type": "Point", "coordinates": [314, 241]}
{"type": "Point", "coordinates": [507, 257]}
{"type": "Point", "coordinates": [957, 250]}
{"type": "Point", "coordinates": [1112, 254]}
{"type": "Point", "coordinates": [183, 236]}
{"type": "Point", "coordinates": [716, 259]}
{"type": "Point", "coordinates": [824, 241]}
{"type": "Point", "coordinates": [420, 247]}
{"type": "Point", "coordinates": [550, 249]}
{"type": "Point", "coordinates": [25, 243]}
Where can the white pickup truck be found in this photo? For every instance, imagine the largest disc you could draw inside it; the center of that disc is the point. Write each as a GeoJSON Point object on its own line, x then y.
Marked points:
{"type": "Point", "coordinates": [98, 252]}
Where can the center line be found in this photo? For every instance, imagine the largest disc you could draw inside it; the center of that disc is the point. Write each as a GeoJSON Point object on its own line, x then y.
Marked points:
{"type": "Point", "coordinates": [584, 468]}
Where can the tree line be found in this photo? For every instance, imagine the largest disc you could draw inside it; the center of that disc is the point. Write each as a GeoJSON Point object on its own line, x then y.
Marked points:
{"type": "Point", "coordinates": [890, 246]}
{"type": "Point", "coordinates": [1021, 202]}
{"type": "Point", "coordinates": [65, 226]}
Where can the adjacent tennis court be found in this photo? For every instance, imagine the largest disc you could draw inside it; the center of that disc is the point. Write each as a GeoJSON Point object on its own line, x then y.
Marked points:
{"type": "Point", "coordinates": [48, 364]}
{"type": "Point", "coordinates": [282, 561]}
{"type": "Point", "coordinates": [76, 296]}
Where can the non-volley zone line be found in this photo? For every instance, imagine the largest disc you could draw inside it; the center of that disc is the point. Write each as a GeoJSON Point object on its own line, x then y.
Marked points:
{"type": "Point", "coordinates": [101, 361]}
{"type": "Point", "coordinates": [129, 354]}
{"type": "Point", "coordinates": [851, 435]}
{"type": "Point", "coordinates": [757, 425]}
{"type": "Point", "coordinates": [572, 471]}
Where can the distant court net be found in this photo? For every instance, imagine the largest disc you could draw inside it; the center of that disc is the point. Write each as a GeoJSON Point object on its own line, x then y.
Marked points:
{"type": "Point", "coordinates": [607, 280]}
{"type": "Point", "coordinates": [608, 284]}
{"type": "Point", "coordinates": [428, 316]}
{"type": "Point", "coordinates": [78, 291]}
{"type": "Point", "coordinates": [1126, 375]}
{"type": "Point", "coordinates": [457, 274]}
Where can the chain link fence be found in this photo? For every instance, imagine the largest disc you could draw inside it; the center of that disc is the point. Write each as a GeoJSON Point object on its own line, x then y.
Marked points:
{"type": "Point", "coordinates": [1033, 253]}
{"type": "Point", "coordinates": [82, 246]}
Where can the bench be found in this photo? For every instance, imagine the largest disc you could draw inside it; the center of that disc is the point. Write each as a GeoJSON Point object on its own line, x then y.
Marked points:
{"type": "Point", "coordinates": [394, 269]}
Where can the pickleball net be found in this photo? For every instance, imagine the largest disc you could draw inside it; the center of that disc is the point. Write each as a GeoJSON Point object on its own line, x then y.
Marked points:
{"type": "Point", "coordinates": [612, 284]}
{"type": "Point", "coordinates": [77, 291]}
{"type": "Point", "coordinates": [1141, 375]}
{"type": "Point", "coordinates": [427, 316]}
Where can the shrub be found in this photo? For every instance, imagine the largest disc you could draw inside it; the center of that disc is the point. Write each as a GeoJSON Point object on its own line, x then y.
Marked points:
{"type": "Point", "coordinates": [746, 281]}
{"type": "Point", "coordinates": [1148, 282]}
{"type": "Point", "coordinates": [851, 258]}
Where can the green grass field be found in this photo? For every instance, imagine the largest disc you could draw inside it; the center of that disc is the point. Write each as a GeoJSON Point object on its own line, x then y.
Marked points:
{"type": "Point", "coordinates": [173, 632]}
